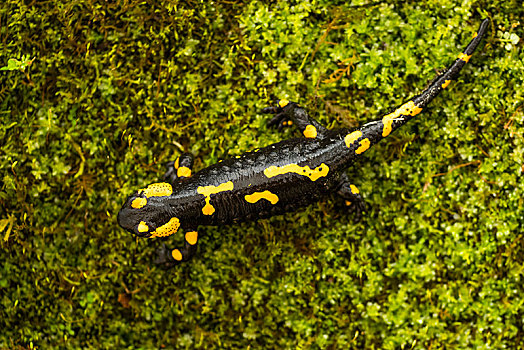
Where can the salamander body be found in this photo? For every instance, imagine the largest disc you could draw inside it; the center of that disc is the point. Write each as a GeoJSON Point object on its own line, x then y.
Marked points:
{"type": "Point", "coordinates": [276, 179]}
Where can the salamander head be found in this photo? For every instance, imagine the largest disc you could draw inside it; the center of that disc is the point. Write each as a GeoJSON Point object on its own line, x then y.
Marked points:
{"type": "Point", "coordinates": [146, 214]}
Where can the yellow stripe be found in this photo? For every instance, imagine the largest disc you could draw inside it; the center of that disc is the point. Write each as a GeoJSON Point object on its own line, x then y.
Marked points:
{"type": "Point", "coordinates": [167, 229]}
{"type": "Point", "coordinates": [350, 138]}
{"type": "Point", "coordinates": [408, 108]}
{"type": "Point", "coordinates": [314, 174]}
{"type": "Point", "coordinates": [464, 57]}
{"type": "Point", "coordinates": [207, 191]}
{"type": "Point", "coordinates": [157, 190]}
{"type": "Point", "coordinates": [446, 83]}
{"type": "Point", "coordinates": [255, 197]}
{"type": "Point", "coordinates": [364, 146]}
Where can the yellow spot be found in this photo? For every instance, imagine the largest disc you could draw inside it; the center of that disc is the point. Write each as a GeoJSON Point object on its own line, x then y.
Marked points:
{"type": "Point", "coordinates": [464, 57]}
{"type": "Point", "coordinates": [157, 190]}
{"type": "Point", "coordinates": [283, 103]}
{"type": "Point", "coordinates": [183, 171]}
{"type": "Point", "coordinates": [255, 197]}
{"type": "Point", "coordinates": [139, 202]}
{"type": "Point", "coordinates": [408, 108]}
{"type": "Point", "coordinates": [350, 138]}
{"type": "Point", "coordinates": [208, 209]}
{"type": "Point", "coordinates": [475, 35]}
{"type": "Point", "coordinates": [177, 163]}
{"type": "Point", "coordinates": [364, 146]}
{"type": "Point", "coordinates": [313, 174]}
{"type": "Point", "coordinates": [446, 83]}
{"type": "Point", "coordinates": [167, 229]}
{"type": "Point", "coordinates": [176, 255]}
{"type": "Point", "coordinates": [192, 237]}
{"type": "Point", "coordinates": [310, 132]}
{"type": "Point", "coordinates": [354, 189]}
{"type": "Point", "coordinates": [207, 191]}
{"type": "Point", "coordinates": [142, 227]}
{"type": "Point", "coordinates": [348, 203]}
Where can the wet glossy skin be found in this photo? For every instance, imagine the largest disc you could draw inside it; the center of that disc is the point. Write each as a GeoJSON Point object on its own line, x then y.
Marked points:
{"type": "Point", "coordinates": [273, 180]}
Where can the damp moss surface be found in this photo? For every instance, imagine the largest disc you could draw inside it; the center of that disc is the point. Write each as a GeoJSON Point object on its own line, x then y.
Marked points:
{"type": "Point", "coordinates": [96, 96]}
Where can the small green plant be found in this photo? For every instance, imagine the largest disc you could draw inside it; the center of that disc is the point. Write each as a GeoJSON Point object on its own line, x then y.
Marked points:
{"type": "Point", "coordinates": [511, 40]}
{"type": "Point", "coordinates": [14, 64]}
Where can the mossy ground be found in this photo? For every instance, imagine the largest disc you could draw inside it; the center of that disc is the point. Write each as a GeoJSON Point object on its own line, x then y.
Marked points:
{"type": "Point", "coordinates": [113, 90]}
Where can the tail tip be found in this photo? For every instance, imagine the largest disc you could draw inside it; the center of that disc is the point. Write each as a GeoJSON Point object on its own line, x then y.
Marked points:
{"type": "Point", "coordinates": [484, 25]}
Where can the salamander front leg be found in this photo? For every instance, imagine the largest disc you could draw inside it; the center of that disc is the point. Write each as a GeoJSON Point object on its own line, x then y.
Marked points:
{"type": "Point", "coordinates": [290, 113]}
{"type": "Point", "coordinates": [170, 257]}
{"type": "Point", "coordinates": [179, 169]}
{"type": "Point", "coordinates": [351, 195]}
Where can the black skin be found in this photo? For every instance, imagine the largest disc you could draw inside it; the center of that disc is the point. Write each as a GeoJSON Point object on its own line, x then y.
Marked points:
{"type": "Point", "coordinates": [310, 168]}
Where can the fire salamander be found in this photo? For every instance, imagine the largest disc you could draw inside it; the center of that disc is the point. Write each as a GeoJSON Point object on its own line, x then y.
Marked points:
{"type": "Point", "coordinates": [279, 178]}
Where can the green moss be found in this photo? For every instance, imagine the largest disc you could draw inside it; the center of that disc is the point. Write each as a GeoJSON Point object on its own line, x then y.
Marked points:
{"type": "Point", "coordinates": [95, 97]}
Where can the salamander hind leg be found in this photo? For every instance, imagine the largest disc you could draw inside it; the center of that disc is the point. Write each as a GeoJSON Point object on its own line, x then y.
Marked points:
{"type": "Point", "coordinates": [290, 113]}
{"type": "Point", "coordinates": [179, 169]}
{"type": "Point", "coordinates": [351, 195]}
{"type": "Point", "coordinates": [170, 257]}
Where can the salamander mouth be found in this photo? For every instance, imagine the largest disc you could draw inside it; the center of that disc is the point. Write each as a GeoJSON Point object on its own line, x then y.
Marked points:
{"type": "Point", "coordinates": [142, 234]}
{"type": "Point", "coordinates": [130, 224]}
